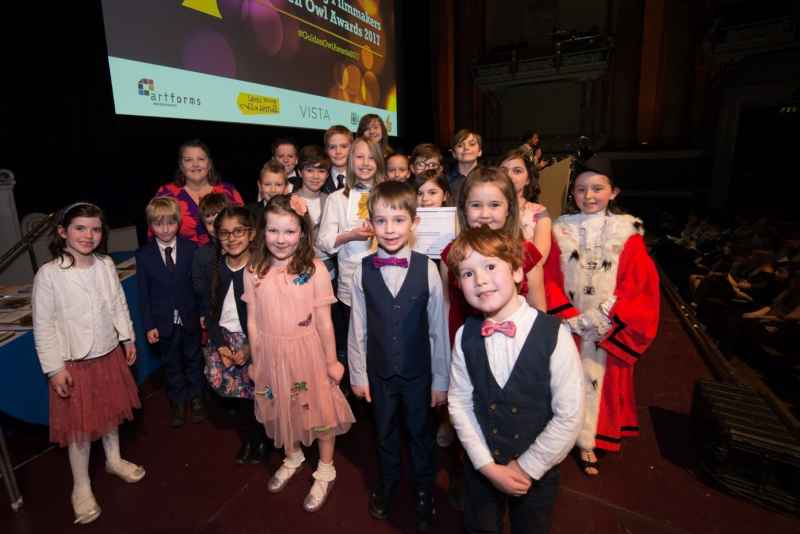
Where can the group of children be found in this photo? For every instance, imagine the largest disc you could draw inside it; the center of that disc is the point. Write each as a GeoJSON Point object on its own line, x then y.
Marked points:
{"type": "Point", "coordinates": [291, 292]}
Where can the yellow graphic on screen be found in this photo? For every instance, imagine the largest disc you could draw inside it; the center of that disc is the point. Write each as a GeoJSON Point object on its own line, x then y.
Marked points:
{"type": "Point", "coordinates": [209, 7]}
{"type": "Point", "coordinates": [258, 105]}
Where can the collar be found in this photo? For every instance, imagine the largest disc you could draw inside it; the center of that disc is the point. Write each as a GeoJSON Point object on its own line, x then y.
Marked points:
{"type": "Point", "coordinates": [584, 217]}
{"type": "Point", "coordinates": [404, 252]}
{"type": "Point", "coordinates": [172, 244]}
{"type": "Point", "coordinates": [517, 316]}
{"type": "Point", "coordinates": [360, 185]}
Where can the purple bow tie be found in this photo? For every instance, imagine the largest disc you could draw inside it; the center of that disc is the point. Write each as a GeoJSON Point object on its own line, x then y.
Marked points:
{"type": "Point", "coordinates": [383, 262]}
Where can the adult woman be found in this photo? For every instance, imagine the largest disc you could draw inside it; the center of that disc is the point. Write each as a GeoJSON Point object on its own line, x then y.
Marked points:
{"type": "Point", "coordinates": [195, 178]}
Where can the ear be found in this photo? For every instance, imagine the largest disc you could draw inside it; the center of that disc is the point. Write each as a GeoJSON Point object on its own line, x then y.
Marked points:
{"type": "Point", "coordinates": [62, 232]}
{"type": "Point", "coordinates": [415, 223]}
{"type": "Point", "coordinates": [614, 193]}
{"type": "Point", "coordinates": [519, 275]}
{"type": "Point", "coordinates": [480, 152]}
{"type": "Point", "coordinates": [368, 220]}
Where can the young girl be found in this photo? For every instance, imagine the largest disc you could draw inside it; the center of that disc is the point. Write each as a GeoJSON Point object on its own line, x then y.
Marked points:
{"type": "Point", "coordinates": [365, 168]}
{"type": "Point", "coordinates": [397, 167]}
{"type": "Point", "coordinates": [432, 189]}
{"type": "Point", "coordinates": [372, 126]}
{"type": "Point", "coordinates": [80, 317]}
{"type": "Point", "coordinates": [600, 277]}
{"type": "Point", "coordinates": [295, 370]}
{"type": "Point", "coordinates": [228, 350]}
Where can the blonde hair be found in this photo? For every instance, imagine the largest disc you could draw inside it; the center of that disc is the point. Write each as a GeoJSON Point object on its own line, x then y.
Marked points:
{"type": "Point", "coordinates": [161, 208]}
{"type": "Point", "coordinates": [275, 167]}
{"type": "Point", "coordinates": [375, 152]}
{"type": "Point", "coordinates": [491, 175]}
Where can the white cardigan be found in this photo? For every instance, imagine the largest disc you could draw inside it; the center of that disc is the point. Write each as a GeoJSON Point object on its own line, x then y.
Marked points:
{"type": "Point", "coordinates": [62, 312]}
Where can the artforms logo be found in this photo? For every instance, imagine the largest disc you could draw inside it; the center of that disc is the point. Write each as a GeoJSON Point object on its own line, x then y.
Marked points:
{"type": "Point", "coordinates": [165, 99]}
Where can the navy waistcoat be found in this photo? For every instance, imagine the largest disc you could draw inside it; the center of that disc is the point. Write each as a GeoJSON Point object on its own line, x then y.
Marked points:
{"type": "Point", "coordinates": [397, 327]}
{"type": "Point", "coordinates": [513, 416]}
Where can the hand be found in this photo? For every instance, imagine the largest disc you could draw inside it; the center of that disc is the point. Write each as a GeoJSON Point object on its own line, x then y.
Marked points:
{"type": "Point", "coordinates": [130, 353]}
{"type": "Point", "coordinates": [61, 383]}
{"type": "Point", "coordinates": [506, 479]}
{"type": "Point", "coordinates": [743, 284]}
{"type": "Point", "coordinates": [514, 466]}
{"type": "Point", "coordinates": [242, 356]}
{"type": "Point", "coordinates": [226, 356]}
{"type": "Point", "coordinates": [748, 316]}
{"type": "Point", "coordinates": [203, 323]}
{"type": "Point", "coordinates": [336, 372]}
{"type": "Point", "coordinates": [152, 335]}
{"type": "Point", "coordinates": [362, 393]}
{"type": "Point", "coordinates": [361, 233]}
{"type": "Point", "coordinates": [438, 398]}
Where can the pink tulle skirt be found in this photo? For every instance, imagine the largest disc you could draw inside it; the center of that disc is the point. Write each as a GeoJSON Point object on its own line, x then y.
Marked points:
{"type": "Point", "coordinates": [101, 398]}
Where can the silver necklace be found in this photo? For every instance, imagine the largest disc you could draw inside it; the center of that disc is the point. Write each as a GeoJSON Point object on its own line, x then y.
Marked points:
{"type": "Point", "coordinates": [590, 268]}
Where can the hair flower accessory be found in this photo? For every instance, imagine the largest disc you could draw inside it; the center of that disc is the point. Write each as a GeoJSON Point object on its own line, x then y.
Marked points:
{"type": "Point", "coordinates": [298, 204]}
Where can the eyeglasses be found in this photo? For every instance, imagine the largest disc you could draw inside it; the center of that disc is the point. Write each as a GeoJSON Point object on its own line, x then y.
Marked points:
{"type": "Point", "coordinates": [422, 165]}
{"type": "Point", "coordinates": [237, 232]}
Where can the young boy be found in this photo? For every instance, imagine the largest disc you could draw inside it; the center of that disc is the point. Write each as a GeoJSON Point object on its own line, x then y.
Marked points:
{"type": "Point", "coordinates": [272, 181]}
{"type": "Point", "coordinates": [425, 157]}
{"type": "Point", "coordinates": [337, 143]}
{"type": "Point", "coordinates": [210, 206]}
{"type": "Point", "coordinates": [169, 309]}
{"type": "Point", "coordinates": [397, 167]}
{"type": "Point", "coordinates": [284, 151]}
{"type": "Point", "coordinates": [466, 148]}
{"type": "Point", "coordinates": [398, 348]}
{"type": "Point", "coordinates": [516, 393]}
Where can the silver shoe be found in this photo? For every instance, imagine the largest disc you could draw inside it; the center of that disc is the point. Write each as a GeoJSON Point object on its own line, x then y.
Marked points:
{"type": "Point", "coordinates": [312, 504]}
{"type": "Point", "coordinates": [276, 484]}
{"type": "Point", "coordinates": [88, 516]}
{"type": "Point", "coordinates": [136, 476]}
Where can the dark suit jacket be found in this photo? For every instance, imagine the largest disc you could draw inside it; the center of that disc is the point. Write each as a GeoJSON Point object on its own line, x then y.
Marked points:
{"type": "Point", "coordinates": [225, 278]}
{"type": "Point", "coordinates": [329, 186]}
{"type": "Point", "coordinates": [256, 208]}
{"type": "Point", "coordinates": [162, 292]}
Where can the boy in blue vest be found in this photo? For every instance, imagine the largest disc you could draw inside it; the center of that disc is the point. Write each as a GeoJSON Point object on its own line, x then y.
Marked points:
{"type": "Point", "coordinates": [398, 348]}
{"type": "Point", "coordinates": [516, 393]}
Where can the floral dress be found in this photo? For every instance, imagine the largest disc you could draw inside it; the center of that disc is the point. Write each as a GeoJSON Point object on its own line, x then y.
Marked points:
{"type": "Point", "coordinates": [296, 401]}
{"type": "Point", "coordinates": [192, 227]}
{"type": "Point", "coordinates": [528, 216]}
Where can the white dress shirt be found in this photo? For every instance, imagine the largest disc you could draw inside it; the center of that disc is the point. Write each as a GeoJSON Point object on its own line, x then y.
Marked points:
{"type": "Point", "coordinates": [229, 315]}
{"type": "Point", "coordinates": [566, 389]}
{"type": "Point", "coordinates": [394, 276]}
{"type": "Point", "coordinates": [334, 222]}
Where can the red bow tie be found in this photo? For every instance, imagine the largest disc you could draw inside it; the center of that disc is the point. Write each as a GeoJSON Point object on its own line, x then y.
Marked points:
{"type": "Point", "coordinates": [506, 327]}
{"type": "Point", "coordinates": [383, 262]}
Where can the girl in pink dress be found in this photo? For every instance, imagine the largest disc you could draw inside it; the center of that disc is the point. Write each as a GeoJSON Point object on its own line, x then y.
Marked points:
{"type": "Point", "coordinates": [296, 373]}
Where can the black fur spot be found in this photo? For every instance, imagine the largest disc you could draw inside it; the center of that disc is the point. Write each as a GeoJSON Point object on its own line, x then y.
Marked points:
{"type": "Point", "coordinates": [606, 265]}
{"type": "Point", "coordinates": [637, 225]}
{"type": "Point", "coordinates": [574, 256]}
{"type": "Point", "coordinates": [571, 296]}
{"type": "Point", "coordinates": [594, 384]}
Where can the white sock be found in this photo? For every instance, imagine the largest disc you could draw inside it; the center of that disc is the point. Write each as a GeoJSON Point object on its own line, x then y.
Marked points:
{"type": "Point", "coordinates": [82, 497]}
{"type": "Point", "coordinates": [292, 461]}
{"type": "Point", "coordinates": [111, 446]}
{"type": "Point", "coordinates": [323, 476]}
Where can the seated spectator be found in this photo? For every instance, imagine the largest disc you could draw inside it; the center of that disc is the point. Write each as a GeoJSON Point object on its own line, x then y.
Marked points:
{"type": "Point", "coordinates": [790, 249]}
{"type": "Point", "coordinates": [764, 235]}
{"type": "Point", "coordinates": [733, 262]}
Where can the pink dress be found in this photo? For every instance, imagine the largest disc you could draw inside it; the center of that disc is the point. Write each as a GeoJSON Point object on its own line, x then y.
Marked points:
{"type": "Point", "coordinates": [528, 216]}
{"type": "Point", "coordinates": [295, 399]}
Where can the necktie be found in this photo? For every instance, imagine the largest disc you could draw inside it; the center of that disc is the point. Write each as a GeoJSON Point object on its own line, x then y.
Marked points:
{"type": "Point", "coordinates": [383, 262]}
{"type": "Point", "coordinates": [168, 258]}
{"type": "Point", "coordinates": [506, 327]}
{"type": "Point", "coordinates": [339, 181]}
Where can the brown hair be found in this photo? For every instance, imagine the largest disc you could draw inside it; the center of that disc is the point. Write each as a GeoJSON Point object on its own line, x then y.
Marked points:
{"type": "Point", "coordinates": [612, 207]}
{"type": "Point", "coordinates": [212, 204]}
{"type": "Point", "coordinates": [58, 245]}
{"type": "Point", "coordinates": [303, 258]}
{"type": "Point", "coordinates": [245, 217]}
{"type": "Point", "coordinates": [337, 129]}
{"type": "Point", "coordinates": [490, 175]}
{"type": "Point", "coordinates": [350, 175]}
{"type": "Point", "coordinates": [489, 243]}
{"type": "Point", "coordinates": [275, 167]}
{"type": "Point", "coordinates": [283, 141]}
{"type": "Point", "coordinates": [396, 195]}
{"type": "Point", "coordinates": [462, 136]}
{"type": "Point", "coordinates": [363, 125]}
{"type": "Point", "coordinates": [426, 151]}
{"type": "Point", "coordinates": [437, 177]}
{"type": "Point", "coordinates": [213, 176]}
{"type": "Point", "coordinates": [531, 190]}
{"type": "Point", "coordinates": [161, 208]}
{"type": "Point", "coordinates": [312, 155]}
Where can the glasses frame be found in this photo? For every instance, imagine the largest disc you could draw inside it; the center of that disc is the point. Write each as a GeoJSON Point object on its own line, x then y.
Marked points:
{"type": "Point", "coordinates": [237, 232]}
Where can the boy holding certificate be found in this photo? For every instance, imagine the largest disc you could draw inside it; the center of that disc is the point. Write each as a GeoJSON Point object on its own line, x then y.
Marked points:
{"type": "Point", "coordinates": [398, 348]}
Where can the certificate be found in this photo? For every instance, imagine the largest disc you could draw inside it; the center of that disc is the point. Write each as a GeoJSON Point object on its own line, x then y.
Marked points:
{"type": "Point", "coordinates": [357, 208]}
{"type": "Point", "coordinates": [436, 229]}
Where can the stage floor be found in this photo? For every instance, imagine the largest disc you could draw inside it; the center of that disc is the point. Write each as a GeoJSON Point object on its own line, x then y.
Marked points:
{"type": "Point", "coordinates": [654, 484]}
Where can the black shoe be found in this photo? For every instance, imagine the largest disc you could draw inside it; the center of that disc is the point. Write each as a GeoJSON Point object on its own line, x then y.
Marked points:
{"type": "Point", "coordinates": [245, 453]}
{"type": "Point", "coordinates": [381, 501]}
{"type": "Point", "coordinates": [259, 452]}
{"type": "Point", "coordinates": [199, 413]}
{"type": "Point", "coordinates": [178, 416]}
{"type": "Point", "coordinates": [455, 491]}
{"type": "Point", "coordinates": [424, 512]}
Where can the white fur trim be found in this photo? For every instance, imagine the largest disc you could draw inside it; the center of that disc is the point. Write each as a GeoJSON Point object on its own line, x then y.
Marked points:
{"type": "Point", "coordinates": [593, 360]}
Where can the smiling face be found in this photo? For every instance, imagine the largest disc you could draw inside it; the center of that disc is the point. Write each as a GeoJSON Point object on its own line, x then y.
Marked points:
{"type": "Point", "coordinates": [364, 166]}
{"type": "Point", "coordinates": [515, 169]}
{"type": "Point", "coordinates": [430, 195]}
{"type": "Point", "coordinates": [489, 285]}
{"type": "Point", "coordinates": [468, 150]}
{"type": "Point", "coordinates": [397, 168]}
{"type": "Point", "coordinates": [486, 205]}
{"type": "Point", "coordinates": [234, 246]}
{"type": "Point", "coordinates": [282, 234]}
{"type": "Point", "coordinates": [165, 230]}
{"type": "Point", "coordinates": [392, 227]}
{"type": "Point", "coordinates": [313, 177]}
{"type": "Point", "coordinates": [593, 192]}
{"type": "Point", "coordinates": [374, 131]}
{"type": "Point", "coordinates": [338, 148]}
{"type": "Point", "coordinates": [287, 156]}
{"type": "Point", "coordinates": [195, 165]}
{"type": "Point", "coordinates": [422, 164]}
{"type": "Point", "coordinates": [271, 184]}
{"type": "Point", "coordinates": [83, 235]}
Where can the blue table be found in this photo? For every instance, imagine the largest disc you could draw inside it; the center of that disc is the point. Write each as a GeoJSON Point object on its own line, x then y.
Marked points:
{"type": "Point", "coordinates": [24, 390]}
